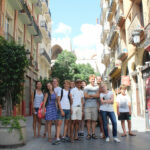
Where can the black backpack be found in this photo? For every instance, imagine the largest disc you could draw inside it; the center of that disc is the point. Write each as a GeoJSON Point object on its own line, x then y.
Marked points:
{"type": "Point", "coordinates": [62, 94]}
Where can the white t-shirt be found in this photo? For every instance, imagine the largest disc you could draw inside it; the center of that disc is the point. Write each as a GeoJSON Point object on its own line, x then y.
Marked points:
{"type": "Point", "coordinates": [123, 101]}
{"type": "Point", "coordinates": [77, 96]}
{"type": "Point", "coordinates": [106, 107]}
{"type": "Point", "coordinates": [65, 102]}
{"type": "Point", "coordinates": [58, 91]}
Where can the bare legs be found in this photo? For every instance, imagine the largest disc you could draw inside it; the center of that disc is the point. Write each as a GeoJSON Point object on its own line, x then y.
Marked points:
{"type": "Point", "coordinates": [35, 120]}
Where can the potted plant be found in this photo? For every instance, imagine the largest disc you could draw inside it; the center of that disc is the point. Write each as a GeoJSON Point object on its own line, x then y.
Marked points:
{"type": "Point", "coordinates": [13, 64]}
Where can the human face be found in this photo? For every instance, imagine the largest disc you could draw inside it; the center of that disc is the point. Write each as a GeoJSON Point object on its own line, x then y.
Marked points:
{"type": "Point", "coordinates": [92, 80]}
{"type": "Point", "coordinates": [72, 85]}
{"type": "Point", "coordinates": [78, 85]}
{"type": "Point", "coordinates": [39, 85]}
{"type": "Point", "coordinates": [104, 88]}
{"type": "Point", "coordinates": [55, 83]}
{"type": "Point", "coordinates": [99, 79]}
{"type": "Point", "coordinates": [123, 91]}
{"type": "Point", "coordinates": [66, 85]}
{"type": "Point", "coordinates": [49, 86]}
{"type": "Point", "coordinates": [83, 84]}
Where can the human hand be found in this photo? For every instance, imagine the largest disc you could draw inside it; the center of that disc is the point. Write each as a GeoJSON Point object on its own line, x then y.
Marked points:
{"type": "Point", "coordinates": [62, 113]}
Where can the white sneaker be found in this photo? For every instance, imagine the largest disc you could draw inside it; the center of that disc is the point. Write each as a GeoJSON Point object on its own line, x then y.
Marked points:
{"type": "Point", "coordinates": [101, 135]}
{"type": "Point", "coordinates": [107, 139]}
{"type": "Point", "coordinates": [116, 140]}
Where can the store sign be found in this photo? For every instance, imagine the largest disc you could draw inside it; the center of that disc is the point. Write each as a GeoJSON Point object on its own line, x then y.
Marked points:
{"type": "Point", "coordinates": [148, 95]}
{"type": "Point", "coordinates": [125, 80]}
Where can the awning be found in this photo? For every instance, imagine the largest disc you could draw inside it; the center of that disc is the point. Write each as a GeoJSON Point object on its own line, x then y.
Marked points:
{"type": "Point", "coordinates": [115, 72]}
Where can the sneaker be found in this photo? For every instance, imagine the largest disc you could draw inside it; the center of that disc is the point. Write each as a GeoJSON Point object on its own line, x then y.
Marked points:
{"type": "Point", "coordinates": [56, 142]}
{"type": "Point", "coordinates": [63, 139]}
{"type": "Point", "coordinates": [116, 140]}
{"type": "Point", "coordinates": [107, 139]}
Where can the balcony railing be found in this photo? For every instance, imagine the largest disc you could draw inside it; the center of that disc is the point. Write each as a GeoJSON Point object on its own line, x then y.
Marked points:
{"type": "Point", "coordinates": [122, 53]}
{"type": "Point", "coordinates": [105, 30]}
{"type": "Point", "coordinates": [45, 1]}
{"type": "Point", "coordinates": [135, 26]}
{"type": "Point", "coordinates": [120, 18]}
{"type": "Point", "coordinates": [43, 24]}
{"type": "Point", "coordinates": [113, 35]}
{"type": "Point", "coordinates": [111, 10]}
{"type": "Point", "coordinates": [45, 54]}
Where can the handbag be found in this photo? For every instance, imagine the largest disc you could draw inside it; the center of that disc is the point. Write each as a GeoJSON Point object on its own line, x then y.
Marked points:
{"type": "Point", "coordinates": [41, 114]}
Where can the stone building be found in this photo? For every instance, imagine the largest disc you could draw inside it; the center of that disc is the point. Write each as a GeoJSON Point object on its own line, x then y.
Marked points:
{"type": "Point", "coordinates": [20, 21]}
{"type": "Point", "coordinates": [125, 37]}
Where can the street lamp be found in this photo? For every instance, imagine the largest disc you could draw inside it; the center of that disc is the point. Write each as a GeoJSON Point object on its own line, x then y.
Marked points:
{"type": "Point", "coordinates": [136, 37]}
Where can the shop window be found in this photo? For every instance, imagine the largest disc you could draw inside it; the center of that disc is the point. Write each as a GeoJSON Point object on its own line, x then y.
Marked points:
{"type": "Point", "coordinates": [146, 57]}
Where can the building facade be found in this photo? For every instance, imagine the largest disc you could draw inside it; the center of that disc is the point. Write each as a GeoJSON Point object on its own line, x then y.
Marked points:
{"type": "Point", "coordinates": [20, 21]}
{"type": "Point", "coordinates": [126, 36]}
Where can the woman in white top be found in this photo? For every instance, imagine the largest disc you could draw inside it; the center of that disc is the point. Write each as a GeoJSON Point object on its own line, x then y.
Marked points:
{"type": "Point", "coordinates": [106, 110]}
{"type": "Point", "coordinates": [37, 98]}
{"type": "Point", "coordinates": [124, 110]}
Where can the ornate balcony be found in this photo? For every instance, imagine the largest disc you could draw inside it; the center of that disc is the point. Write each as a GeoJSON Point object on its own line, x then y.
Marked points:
{"type": "Point", "coordinates": [105, 30]}
{"type": "Point", "coordinates": [122, 54]}
{"type": "Point", "coordinates": [16, 4]}
{"type": "Point", "coordinates": [38, 7]}
{"type": "Point", "coordinates": [111, 10]}
{"type": "Point", "coordinates": [45, 5]}
{"type": "Point", "coordinates": [114, 68]}
{"type": "Point", "coordinates": [45, 54]}
{"type": "Point", "coordinates": [135, 26]}
{"type": "Point", "coordinates": [48, 15]}
{"type": "Point", "coordinates": [104, 6]}
{"type": "Point", "coordinates": [112, 37]}
{"type": "Point", "coordinates": [120, 18]}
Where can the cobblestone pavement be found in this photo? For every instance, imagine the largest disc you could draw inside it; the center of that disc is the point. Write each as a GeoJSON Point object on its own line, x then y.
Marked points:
{"type": "Point", "coordinates": [139, 142]}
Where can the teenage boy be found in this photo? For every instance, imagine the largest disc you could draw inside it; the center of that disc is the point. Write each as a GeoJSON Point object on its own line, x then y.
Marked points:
{"type": "Point", "coordinates": [76, 109]}
{"type": "Point", "coordinates": [124, 110]}
{"type": "Point", "coordinates": [63, 112]}
{"type": "Point", "coordinates": [91, 94]}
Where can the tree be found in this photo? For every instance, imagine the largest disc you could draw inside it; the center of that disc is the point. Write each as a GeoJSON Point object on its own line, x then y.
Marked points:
{"type": "Point", "coordinates": [65, 67]}
{"type": "Point", "coordinates": [13, 64]}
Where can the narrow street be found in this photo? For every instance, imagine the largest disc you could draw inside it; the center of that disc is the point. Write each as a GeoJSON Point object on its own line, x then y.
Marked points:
{"type": "Point", "coordinates": [139, 142]}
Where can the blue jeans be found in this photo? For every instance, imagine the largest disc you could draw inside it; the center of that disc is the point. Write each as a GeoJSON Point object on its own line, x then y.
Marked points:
{"type": "Point", "coordinates": [112, 117]}
{"type": "Point", "coordinates": [67, 114]}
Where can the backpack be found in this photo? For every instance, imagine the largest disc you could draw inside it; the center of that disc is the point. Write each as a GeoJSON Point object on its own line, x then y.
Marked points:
{"type": "Point", "coordinates": [62, 95]}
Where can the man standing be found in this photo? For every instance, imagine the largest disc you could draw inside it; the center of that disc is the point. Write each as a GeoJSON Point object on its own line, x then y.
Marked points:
{"type": "Point", "coordinates": [91, 94]}
{"type": "Point", "coordinates": [76, 108]}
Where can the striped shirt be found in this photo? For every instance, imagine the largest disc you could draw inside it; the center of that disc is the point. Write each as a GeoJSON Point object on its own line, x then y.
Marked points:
{"type": "Point", "coordinates": [38, 99]}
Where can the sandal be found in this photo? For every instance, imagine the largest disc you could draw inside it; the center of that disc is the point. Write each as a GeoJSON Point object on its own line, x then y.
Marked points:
{"type": "Point", "coordinates": [94, 136]}
{"type": "Point", "coordinates": [132, 134]}
{"type": "Point", "coordinates": [88, 137]}
{"type": "Point", "coordinates": [123, 135]}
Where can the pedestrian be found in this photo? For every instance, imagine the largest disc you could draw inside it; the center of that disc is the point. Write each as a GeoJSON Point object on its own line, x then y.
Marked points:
{"type": "Point", "coordinates": [124, 110]}
{"type": "Point", "coordinates": [91, 94]}
{"type": "Point", "coordinates": [99, 82]}
{"type": "Point", "coordinates": [57, 90]}
{"type": "Point", "coordinates": [106, 109]}
{"type": "Point", "coordinates": [76, 109]}
{"type": "Point", "coordinates": [72, 86]}
{"type": "Point", "coordinates": [37, 98]}
{"type": "Point", "coordinates": [81, 123]}
{"type": "Point", "coordinates": [64, 112]}
{"type": "Point", "coordinates": [50, 99]}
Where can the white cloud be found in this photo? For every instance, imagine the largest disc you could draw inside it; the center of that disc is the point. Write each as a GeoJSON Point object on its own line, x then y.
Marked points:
{"type": "Point", "coordinates": [63, 28]}
{"type": "Point", "coordinates": [87, 42]}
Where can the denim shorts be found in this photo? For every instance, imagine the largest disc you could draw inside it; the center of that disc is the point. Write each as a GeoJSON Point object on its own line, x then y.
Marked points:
{"type": "Point", "coordinates": [36, 110]}
{"type": "Point", "coordinates": [67, 115]}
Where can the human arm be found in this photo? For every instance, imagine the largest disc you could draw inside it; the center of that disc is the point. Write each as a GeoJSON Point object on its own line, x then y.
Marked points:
{"type": "Point", "coordinates": [32, 101]}
{"type": "Point", "coordinates": [59, 106]}
{"type": "Point", "coordinates": [129, 105]}
{"type": "Point", "coordinates": [45, 100]}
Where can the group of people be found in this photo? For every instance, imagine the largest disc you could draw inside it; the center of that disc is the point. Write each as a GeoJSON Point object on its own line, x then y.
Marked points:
{"type": "Point", "coordinates": [78, 103]}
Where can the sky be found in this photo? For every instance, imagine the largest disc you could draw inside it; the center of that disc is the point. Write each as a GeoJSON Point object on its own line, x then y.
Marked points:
{"type": "Point", "coordinates": [74, 21]}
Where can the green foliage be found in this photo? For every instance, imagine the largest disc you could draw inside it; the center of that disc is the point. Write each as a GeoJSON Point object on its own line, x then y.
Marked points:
{"type": "Point", "coordinates": [13, 122]}
{"type": "Point", "coordinates": [65, 68]}
{"type": "Point", "coordinates": [13, 64]}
